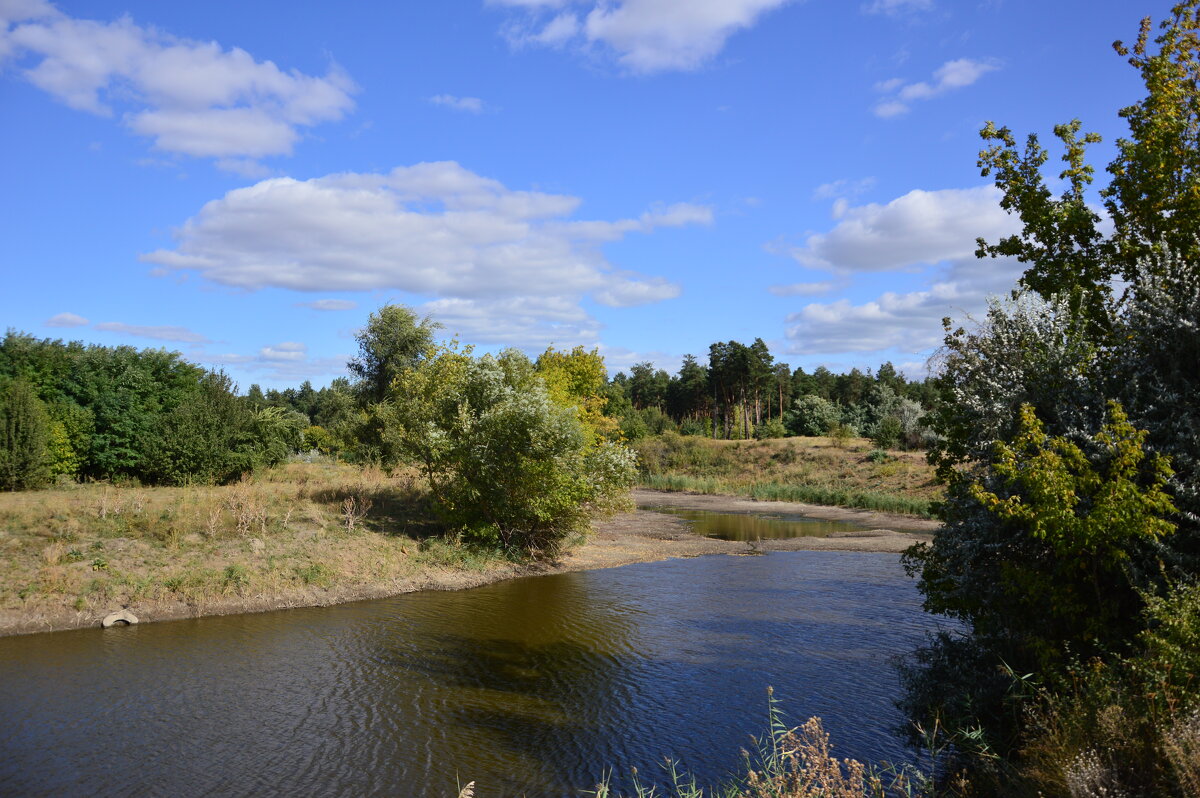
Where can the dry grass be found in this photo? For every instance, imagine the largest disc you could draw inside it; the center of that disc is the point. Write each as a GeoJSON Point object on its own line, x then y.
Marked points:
{"type": "Point", "coordinates": [814, 469]}
{"type": "Point", "coordinates": [283, 534]}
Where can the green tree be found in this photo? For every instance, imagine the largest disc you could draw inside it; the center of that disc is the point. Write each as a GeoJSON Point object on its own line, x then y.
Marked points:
{"type": "Point", "coordinates": [505, 463]}
{"type": "Point", "coordinates": [1152, 199]}
{"type": "Point", "coordinates": [24, 437]}
{"type": "Point", "coordinates": [394, 339]}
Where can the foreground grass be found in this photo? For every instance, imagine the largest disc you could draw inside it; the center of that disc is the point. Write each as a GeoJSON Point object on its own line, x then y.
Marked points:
{"type": "Point", "coordinates": [289, 535]}
{"type": "Point", "coordinates": [812, 470]}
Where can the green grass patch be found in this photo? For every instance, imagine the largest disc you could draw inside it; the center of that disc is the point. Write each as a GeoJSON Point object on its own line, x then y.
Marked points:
{"type": "Point", "coordinates": [779, 492]}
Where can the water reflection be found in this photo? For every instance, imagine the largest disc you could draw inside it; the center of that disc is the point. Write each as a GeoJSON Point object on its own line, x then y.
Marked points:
{"type": "Point", "coordinates": [753, 526]}
{"type": "Point", "coordinates": [528, 687]}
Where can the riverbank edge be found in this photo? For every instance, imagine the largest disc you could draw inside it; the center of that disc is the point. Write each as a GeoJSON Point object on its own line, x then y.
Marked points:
{"type": "Point", "coordinates": [628, 538]}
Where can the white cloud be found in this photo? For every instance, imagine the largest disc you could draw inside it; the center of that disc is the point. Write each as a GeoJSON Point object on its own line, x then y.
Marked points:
{"type": "Point", "coordinates": [619, 358]}
{"type": "Point", "coordinates": [921, 227]}
{"type": "Point", "coordinates": [843, 188]}
{"type": "Point", "coordinates": [644, 36]}
{"type": "Point", "coordinates": [192, 98]}
{"type": "Point", "coordinates": [66, 320]}
{"type": "Point", "coordinates": [929, 233]}
{"type": "Point", "coordinates": [897, 6]}
{"type": "Point", "coordinates": [285, 363]}
{"type": "Point", "coordinates": [289, 351]}
{"type": "Point", "coordinates": [330, 304]}
{"type": "Point", "coordinates": [803, 289]}
{"type": "Point", "coordinates": [434, 229]}
{"type": "Point", "coordinates": [472, 105]}
{"type": "Point", "coordinates": [523, 322]}
{"type": "Point", "coordinates": [162, 333]}
{"type": "Point", "coordinates": [951, 75]}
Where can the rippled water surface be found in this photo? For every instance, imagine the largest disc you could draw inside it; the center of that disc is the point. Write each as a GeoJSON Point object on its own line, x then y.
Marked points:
{"type": "Point", "coordinates": [531, 686]}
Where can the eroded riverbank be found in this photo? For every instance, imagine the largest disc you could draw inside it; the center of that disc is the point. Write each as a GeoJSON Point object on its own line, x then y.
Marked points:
{"type": "Point", "coordinates": [633, 537]}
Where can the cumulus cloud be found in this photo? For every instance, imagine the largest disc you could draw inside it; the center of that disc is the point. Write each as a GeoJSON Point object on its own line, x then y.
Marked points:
{"type": "Point", "coordinates": [523, 322]}
{"type": "Point", "coordinates": [928, 233]}
{"type": "Point", "coordinates": [162, 333]}
{"type": "Point", "coordinates": [951, 75]}
{"type": "Point", "coordinates": [329, 304]}
{"type": "Point", "coordinates": [644, 36]}
{"type": "Point", "coordinates": [472, 105]}
{"type": "Point", "coordinates": [192, 98]}
{"type": "Point", "coordinates": [434, 229]}
{"type": "Point", "coordinates": [921, 227]}
{"type": "Point", "coordinates": [66, 320]}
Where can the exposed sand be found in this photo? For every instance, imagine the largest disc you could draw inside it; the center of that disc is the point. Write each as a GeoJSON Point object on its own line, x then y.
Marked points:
{"type": "Point", "coordinates": [639, 536]}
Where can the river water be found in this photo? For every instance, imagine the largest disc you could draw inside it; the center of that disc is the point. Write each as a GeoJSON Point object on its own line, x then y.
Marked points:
{"type": "Point", "coordinates": [532, 686]}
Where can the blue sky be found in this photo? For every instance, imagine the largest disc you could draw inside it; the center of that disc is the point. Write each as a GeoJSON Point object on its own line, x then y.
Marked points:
{"type": "Point", "coordinates": [245, 183]}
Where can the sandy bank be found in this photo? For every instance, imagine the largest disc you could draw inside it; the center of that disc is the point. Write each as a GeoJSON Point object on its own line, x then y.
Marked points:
{"type": "Point", "coordinates": [639, 536]}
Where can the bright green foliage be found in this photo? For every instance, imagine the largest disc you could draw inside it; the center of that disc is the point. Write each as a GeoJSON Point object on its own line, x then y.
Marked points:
{"type": "Point", "coordinates": [1036, 558]}
{"type": "Point", "coordinates": [24, 437]}
{"type": "Point", "coordinates": [60, 455]}
{"type": "Point", "coordinates": [319, 439]}
{"type": "Point", "coordinates": [1053, 493]}
{"type": "Point", "coordinates": [394, 339]}
{"type": "Point", "coordinates": [577, 379]}
{"type": "Point", "coordinates": [505, 463]}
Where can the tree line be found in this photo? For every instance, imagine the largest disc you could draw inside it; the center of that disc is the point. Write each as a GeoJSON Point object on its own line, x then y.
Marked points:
{"type": "Point", "coordinates": [743, 392]}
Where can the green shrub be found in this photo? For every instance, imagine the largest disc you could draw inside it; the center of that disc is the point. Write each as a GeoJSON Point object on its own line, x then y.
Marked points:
{"type": "Point", "coordinates": [772, 428]}
{"type": "Point", "coordinates": [24, 438]}
{"type": "Point", "coordinates": [504, 462]}
{"type": "Point", "coordinates": [812, 416]}
{"type": "Point", "coordinates": [887, 433]}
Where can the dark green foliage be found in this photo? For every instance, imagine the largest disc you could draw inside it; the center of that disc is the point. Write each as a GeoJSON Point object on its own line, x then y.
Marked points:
{"type": "Point", "coordinates": [394, 339]}
{"type": "Point", "coordinates": [206, 437]}
{"type": "Point", "coordinates": [887, 433]}
{"type": "Point", "coordinates": [146, 415]}
{"type": "Point", "coordinates": [24, 436]}
{"type": "Point", "coordinates": [772, 428]}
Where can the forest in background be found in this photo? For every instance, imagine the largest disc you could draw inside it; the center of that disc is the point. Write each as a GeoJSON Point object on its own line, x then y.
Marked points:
{"type": "Point", "coordinates": [120, 413]}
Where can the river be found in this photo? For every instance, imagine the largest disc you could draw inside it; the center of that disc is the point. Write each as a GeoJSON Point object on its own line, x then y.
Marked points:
{"type": "Point", "coordinates": [532, 686]}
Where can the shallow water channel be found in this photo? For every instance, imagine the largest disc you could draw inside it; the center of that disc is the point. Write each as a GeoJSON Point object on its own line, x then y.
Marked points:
{"type": "Point", "coordinates": [532, 686]}
{"type": "Point", "coordinates": [748, 527]}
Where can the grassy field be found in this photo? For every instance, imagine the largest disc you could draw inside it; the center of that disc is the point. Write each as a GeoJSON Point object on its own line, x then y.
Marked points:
{"type": "Point", "coordinates": [815, 470]}
{"type": "Point", "coordinates": [287, 536]}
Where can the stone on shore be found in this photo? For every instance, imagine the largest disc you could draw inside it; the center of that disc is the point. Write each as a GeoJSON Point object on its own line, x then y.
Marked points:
{"type": "Point", "coordinates": [124, 618]}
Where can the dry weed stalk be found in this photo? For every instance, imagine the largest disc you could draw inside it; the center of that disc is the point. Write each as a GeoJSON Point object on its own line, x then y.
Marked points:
{"type": "Point", "coordinates": [354, 510]}
{"type": "Point", "coordinates": [798, 764]}
{"type": "Point", "coordinates": [247, 506]}
{"type": "Point", "coordinates": [1181, 744]}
